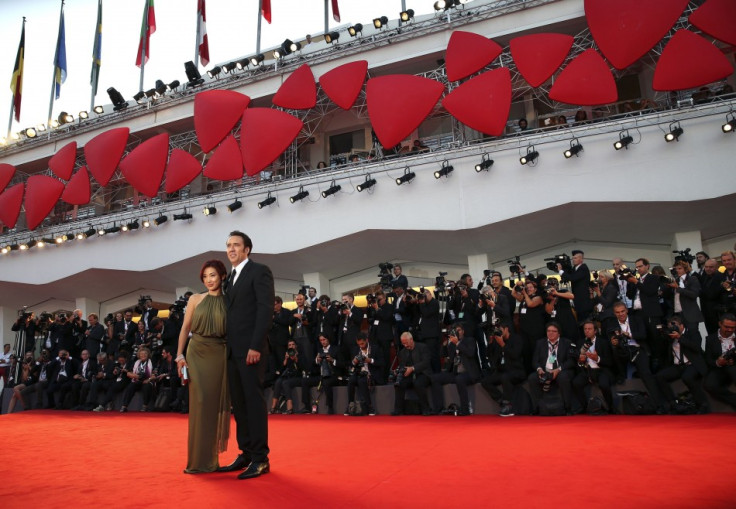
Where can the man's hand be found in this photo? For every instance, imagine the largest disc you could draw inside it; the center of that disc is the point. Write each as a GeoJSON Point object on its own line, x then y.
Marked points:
{"type": "Point", "coordinates": [253, 357]}
{"type": "Point", "coordinates": [409, 370]}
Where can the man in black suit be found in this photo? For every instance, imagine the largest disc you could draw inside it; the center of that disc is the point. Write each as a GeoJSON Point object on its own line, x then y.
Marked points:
{"type": "Point", "coordinates": [414, 371]}
{"type": "Point", "coordinates": [61, 372]}
{"type": "Point", "coordinates": [644, 294]}
{"type": "Point", "coordinates": [461, 368]}
{"type": "Point", "coordinates": [552, 364]}
{"type": "Point", "coordinates": [683, 293]}
{"type": "Point", "coordinates": [366, 370]}
{"type": "Point", "coordinates": [278, 335]}
{"type": "Point", "coordinates": [429, 327]}
{"type": "Point", "coordinates": [506, 365]}
{"type": "Point", "coordinates": [250, 303]}
{"type": "Point", "coordinates": [381, 327]}
{"type": "Point", "coordinates": [596, 365]}
{"type": "Point", "coordinates": [351, 319]}
{"type": "Point", "coordinates": [721, 368]}
{"type": "Point", "coordinates": [712, 295]}
{"type": "Point", "coordinates": [579, 278]}
{"type": "Point", "coordinates": [684, 361]}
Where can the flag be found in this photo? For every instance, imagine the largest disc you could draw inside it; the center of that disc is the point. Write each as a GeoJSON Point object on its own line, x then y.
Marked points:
{"type": "Point", "coordinates": [335, 11]}
{"type": "Point", "coordinates": [202, 43]}
{"type": "Point", "coordinates": [16, 83]}
{"type": "Point", "coordinates": [97, 51]}
{"type": "Point", "coordinates": [266, 10]}
{"type": "Point", "coordinates": [148, 27]}
{"type": "Point", "coordinates": [60, 57]}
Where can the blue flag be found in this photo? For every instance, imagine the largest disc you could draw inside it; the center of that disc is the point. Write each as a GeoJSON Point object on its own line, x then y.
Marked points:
{"type": "Point", "coordinates": [60, 58]}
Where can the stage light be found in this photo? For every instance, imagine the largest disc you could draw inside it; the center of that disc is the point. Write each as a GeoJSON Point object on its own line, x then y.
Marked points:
{"type": "Point", "coordinates": [485, 163]}
{"type": "Point", "coordinates": [65, 118]}
{"type": "Point", "coordinates": [112, 229]}
{"type": "Point", "coordinates": [381, 22]}
{"type": "Point", "coordinates": [530, 157]}
{"type": "Point", "coordinates": [257, 59]}
{"type": "Point", "coordinates": [43, 242]}
{"type": "Point", "coordinates": [675, 132]}
{"type": "Point", "coordinates": [83, 115]}
{"type": "Point", "coordinates": [146, 223]}
{"type": "Point", "coordinates": [59, 239]}
{"type": "Point", "coordinates": [5, 250]}
{"type": "Point", "coordinates": [151, 92]}
{"type": "Point", "coordinates": [193, 75]}
{"type": "Point", "coordinates": [131, 226]}
{"type": "Point", "coordinates": [226, 68]}
{"type": "Point", "coordinates": [30, 132]}
{"type": "Point", "coordinates": [355, 30]}
{"type": "Point", "coordinates": [406, 15]}
{"type": "Point", "coordinates": [32, 243]}
{"type": "Point", "coordinates": [406, 178]}
{"type": "Point", "coordinates": [185, 216]}
{"type": "Point", "coordinates": [284, 50]}
{"type": "Point", "coordinates": [574, 150]}
{"type": "Point", "coordinates": [369, 182]}
{"type": "Point", "coordinates": [624, 140]}
{"type": "Point", "coordinates": [214, 72]}
{"type": "Point", "coordinates": [444, 171]}
{"type": "Point", "coordinates": [173, 85]}
{"type": "Point", "coordinates": [730, 125]}
{"type": "Point", "coordinates": [442, 5]}
{"type": "Point", "coordinates": [13, 247]}
{"type": "Point", "coordinates": [270, 200]}
{"type": "Point", "coordinates": [101, 232]}
{"type": "Point", "coordinates": [331, 37]}
{"type": "Point", "coordinates": [295, 46]}
{"type": "Point", "coordinates": [161, 219]}
{"type": "Point", "coordinates": [100, 110]}
{"type": "Point", "coordinates": [3, 141]}
{"type": "Point", "coordinates": [16, 136]}
{"type": "Point", "coordinates": [117, 100]}
{"type": "Point", "coordinates": [40, 128]}
{"type": "Point", "coordinates": [210, 210]}
{"type": "Point", "coordinates": [234, 206]}
{"type": "Point", "coordinates": [161, 88]}
{"type": "Point", "coordinates": [23, 246]}
{"type": "Point", "coordinates": [140, 97]}
{"type": "Point", "coordinates": [331, 190]}
{"type": "Point", "coordinates": [300, 195]}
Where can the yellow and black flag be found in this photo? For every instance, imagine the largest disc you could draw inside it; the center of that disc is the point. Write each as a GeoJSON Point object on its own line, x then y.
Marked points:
{"type": "Point", "coordinates": [16, 84]}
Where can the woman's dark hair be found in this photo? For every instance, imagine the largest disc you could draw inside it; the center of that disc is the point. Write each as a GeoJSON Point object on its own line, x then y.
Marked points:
{"type": "Point", "coordinates": [215, 264]}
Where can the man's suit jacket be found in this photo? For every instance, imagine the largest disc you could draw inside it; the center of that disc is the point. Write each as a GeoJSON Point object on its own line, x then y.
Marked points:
{"type": "Point", "coordinates": [690, 342]}
{"type": "Point", "coordinates": [383, 330]}
{"type": "Point", "coordinates": [541, 352]}
{"type": "Point", "coordinates": [609, 295]}
{"type": "Point", "coordinates": [713, 350]}
{"type": "Point", "coordinates": [349, 326]}
{"type": "Point", "coordinates": [688, 299]}
{"type": "Point", "coordinates": [250, 309]}
{"type": "Point", "coordinates": [467, 350]}
{"type": "Point", "coordinates": [638, 329]}
{"type": "Point", "coordinates": [420, 358]}
{"type": "Point", "coordinates": [279, 333]}
{"type": "Point", "coordinates": [511, 353]}
{"type": "Point", "coordinates": [648, 294]}
{"type": "Point", "coordinates": [429, 325]}
{"type": "Point", "coordinates": [376, 367]}
{"type": "Point", "coordinates": [580, 282]}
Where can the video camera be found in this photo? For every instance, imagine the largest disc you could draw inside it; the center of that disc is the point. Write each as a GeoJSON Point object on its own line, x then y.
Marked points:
{"type": "Point", "coordinates": [562, 259]}
{"type": "Point", "coordinates": [385, 275]}
{"type": "Point", "coordinates": [684, 255]}
{"type": "Point", "coordinates": [515, 266]}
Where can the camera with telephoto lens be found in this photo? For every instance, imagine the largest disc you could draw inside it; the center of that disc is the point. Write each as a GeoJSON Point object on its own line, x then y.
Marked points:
{"type": "Point", "coordinates": [625, 273]}
{"type": "Point", "coordinates": [621, 337]}
{"type": "Point", "coordinates": [729, 355]}
{"type": "Point", "coordinates": [398, 375]}
{"type": "Point", "coordinates": [515, 266]}
{"type": "Point", "coordinates": [370, 299]}
{"type": "Point", "coordinates": [291, 352]}
{"type": "Point", "coordinates": [545, 380]}
{"type": "Point", "coordinates": [594, 283]}
{"type": "Point", "coordinates": [562, 259]}
{"type": "Point", "coordinates": [439, 281]}
{"type": "Point", "coordinates": [670, 327]}
{"type": "Point", "coordinates": [385, 274]}
{"type": "Point", "coordinates": [584, 350]}
{"type": "Point", "coordinates": [684, 255]}
{"type": "Point", "coordinates": [322, 356]}
{"type": "Point", "coordinates": [494, 329]}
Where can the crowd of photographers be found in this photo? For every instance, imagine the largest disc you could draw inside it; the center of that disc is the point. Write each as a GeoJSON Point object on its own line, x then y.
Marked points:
{"type": "Point", "coordinates": [551, 338]}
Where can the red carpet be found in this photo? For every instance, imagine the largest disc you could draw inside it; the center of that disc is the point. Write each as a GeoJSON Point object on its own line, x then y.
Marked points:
{"type": "Point", "coordinates": [71, 459]}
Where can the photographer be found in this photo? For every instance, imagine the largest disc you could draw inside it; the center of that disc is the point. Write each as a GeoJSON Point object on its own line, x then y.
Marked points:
{"type": "Point", "coordinates": [685, 362]}
{"type": "Point", "coordinates": [120, 381]}
{"type": "Point", "coordinates": [351, 319]}
{"type": "Point", "coordinates": [79, 328]}
{"type": "Point", "coordinates": [60, 335]}
{"type": "Point", "coordinates": [413, 371]}
{"type": "Point", "coordinates": [94, 336]}
{"type": "Point", "coordinates": [140, 380]}
{"type": "Point", "coordinates": [605, 294]}
{"type": "Point", "coordinates": [324, 379]}
{"type": "Point", "coordinates": [402, 317]}
{"type": "Point", "coordinates": [328, 317]}
{"type": "Point", "coordinates": [531, 318]}
{"type": "Point", "coordinates": [429, 327]}
{"type": "Point", "coordinates": [381, 326]}
{"type": "Point", "coordinates": [620, 273]}
{"type": "Point", "coordinates": [683, 295]}
{"type": "Point", "coordinates": [61, 371]}
{"type": "Point", "coordinates": [155, 339]}
{"type": "Point", "coordinates": [147, 311]}
{"type": "Point", "coordinates": [292, 367]}
{"type": "Point", "coordinates": [501, 290]}
{"type": "Point", "coordinates": [26, 324]}
{"type": "Point", "coordinates": [86, 370]}
{"type": "Point", "coordinates": [461, 368]}
{"type": "Point", "coordinates": [28, 376]}
{"type": "Point", "coordinates": [300, 326]}
{"type": "Point", "coordinates": [728, 259]}
{"type": "Point", "coordinates": [712, 295]}
{"type": "Point", "coordinates": [278, 336]}
{"type": "Point", "coordinates": [101, 381]}
{"type": "Point", "coordinates": [644, 294]}
{"type": "Point", "coordinates": [165, 380]}
{"type": "Point", "coordinates": [596, 363]}
{"type": "Point", "coordinates": [629, 347]}
{"type": "Point", "coordinates": [553, 365]}
{"type": "Point", "coordinates": [366, 370]}
{"type": "Point", "coordinates": [399, 279]}
{"type": "Point", "coordinates": [558, 308]}
{"type": "Point", "coordinates": [579, 277]}
{"type": "Point", "coordinates": [506, 366]}
{"type": "Point", "coordinates": [719, 357]}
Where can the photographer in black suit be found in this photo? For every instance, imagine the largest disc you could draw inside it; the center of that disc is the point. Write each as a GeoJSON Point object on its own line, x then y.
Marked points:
{"type": "Point", "coordinates": [683, 293]}
{"type": "Point", "coordinates": [644, 294]}
{"type": "Point", "coordinates": [553, 364]}
{"type": "Point", "coordinates": [381, 326]}
{"type": "Point", "coordinates": [579, 278]}
{"type": "Point", "coordinates": [61, 370]}
{"type": "Point", "coordinates": [292, 367]}
{"type": "Point", "coordinates": [322, 375]}
{"type": "Point", "coordinates": [719, 357]}
{"type": "Point", "coordinates": [712, 295]}
{"type": "Point", "coordinates": [596, 365]}
{"type": "Point", "coordinates": [413, 371]}
{"type": "Point", "coordinates": [429, 327]}
{"type": "Point", "coordinates": [278, 336]}
{"type": "Point", "coordinates": [366, 371]}
{"type": "Point", "coordinates": [506, 365]}
{"type": "Point", "coordinates": [461, 368]}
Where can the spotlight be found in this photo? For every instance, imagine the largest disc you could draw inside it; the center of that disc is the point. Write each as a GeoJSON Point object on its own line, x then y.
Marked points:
{"type": "Point", "coordinates": [100, 110]}
{"type": "Point", "coordinates": [140, 97]}
{"type": "Point", "coordinates": [183, 217]}
{"type": "Point", "coordinates": [369, 182]}
{"type": "Point", "coordinates": [13, 247]}
{"type": "Point", "coordinates": [161, 219]}
{"type": "Point", "coordinates": [30, 132]}
{"type": "Point", "coordinates": [117, 100]}
{"type": "Point", "coordinates": [530, 157]}
{"type": "Point", "coordinates": [209, 210]}
{"type": "Point", "coordinates": [331, 37]}
{"type": "Point", "coordinates": [574, 150]}
{"type": "Point", "coordinates": [23, 246]}
{"type": "Point", "coordinates": [131, 226]}
{"type": "Point", "coordinates": [146, 223]}
{"type": "Point", "coordinates": [101, 232]}
{"type": "Point", "coordinates": [270, 200]}
{"type": "Point", "coordinates": [234, 206]}
{"type": "Point", "coordinates": [406, 178]}
{"type": "Point", "coordinates": [16, 136]}
{"type": "Point", "coordinates": [624, 140]}
{"type": "Point", "coordinates": [300, 195]}
{"type": "Point", "coordinates": [59, 239]}
{"type": "Point", "coordinates": [295, 46]}
{"type": "Point", "coordinates": [161, 88]}
{"type": "Point", "coordinates": [442, 5]}
{"type": "Point", "coordinates": [151, 92]}
{"type": "Point", "coordinates": [65, 118]}
{"type": "Point", "coordinates": [675, 132]}
{"type": "Point", "coordinates": [40, 128]}
{"type": "Point", "coordinates": [242, 64]}
{"type": "Point", "coordinates": [43, 242]}
{"type": "Point", "coordinates": [226, 68]}
{"type": "Point", "coordinates": [89, 233]}
{"type": "Point", "coordinates": [730, 125]}
{"type": "Point", "coordinates": [284, 50]}
{"type": "Point", "coordinates": [214, 72]}
{"type": "Point", "coordinates": [444, 171]}
{"type": "Point", "coordinates": [112, 229]}
{"type": "Point", "coordinates": [83, 115]}
{"type": "Point", "coordinates": [257, 59]}
{"type": "Point", "coordinates": [5, 250]}
{"type": "Point", "coordinates": [173, 85]}
{"type": "Point", "coordinates": [195, 79]}
{"type": "Point", "coordinates": [331, 190]}
{"type": "Point", "coordinates": [355, 30]}
{"type": "Point", "coordinates": [406, 15]}
{"type": "Point", "coordinates": [485, 163]}
{"type": "Point", "coordinates": [31, 243]}
{"type": "Point", "coordinates": [380, 22]}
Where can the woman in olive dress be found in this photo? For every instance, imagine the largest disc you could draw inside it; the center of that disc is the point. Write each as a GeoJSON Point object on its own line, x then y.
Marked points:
{"type": "Point", "coordinates": [206, 360]}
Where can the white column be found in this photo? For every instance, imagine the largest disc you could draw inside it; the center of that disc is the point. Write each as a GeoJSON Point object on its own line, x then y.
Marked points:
{"type": "Point", "coordinates": [476, 265]}
{"type": "Point", "coordinates": [684, 240]}
{"type": "Point", "coordinates": [319, 281]}
{"type": "Point", "coordinates": [88, 306]}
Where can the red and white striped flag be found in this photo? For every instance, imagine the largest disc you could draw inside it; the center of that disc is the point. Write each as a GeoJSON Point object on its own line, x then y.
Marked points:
{"type": "Point", "coordinates": [202, 43]}
{"type": "Point", "coordinates": [266, 10]}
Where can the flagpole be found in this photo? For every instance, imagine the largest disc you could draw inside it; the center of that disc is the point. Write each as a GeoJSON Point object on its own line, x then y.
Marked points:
{"type": "Point", "coordinates": [258, 31]}
{"type": "Point", "coordinates": [53, 80]}
{"type": "Point", "coordinates": [196, 41]}
{"type": "Point", "coordinates": [94, 57]}
{"type": "Point", "coordinates": [12, 99]}
{"type": "Point", "coordinates": [144, 40]}
{"type": "Point", "coordinates": [327, 21]}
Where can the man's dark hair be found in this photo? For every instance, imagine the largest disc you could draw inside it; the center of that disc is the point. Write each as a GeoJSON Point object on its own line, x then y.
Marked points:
{"type": "Point", "coordinates": [361, 335]}
{"type": "Point", "coordinates": [703, 253]}
{"type": "Point", "coordinates": [553, 324]}
{"type": "Point", "coordinates": [618, 304]}
{"type": "Point", "coordinates": [728, 316]}
{"type": "Point", "coordinates": [642, 260]}
{"type": "Point", "coordinates": [278, 299]}
{"type": "Point", "coordinates": [246, 240]}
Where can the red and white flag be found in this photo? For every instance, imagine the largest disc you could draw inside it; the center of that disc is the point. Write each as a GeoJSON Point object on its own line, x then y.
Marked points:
{"type": "Point", "coordinates": [335, 11]}
{"type": "Point", "coordinates": [266, 10]}
{"type": "Point", "coordinates": [202, 43]}
{"type": "Point", "coordinates": [148, 27]}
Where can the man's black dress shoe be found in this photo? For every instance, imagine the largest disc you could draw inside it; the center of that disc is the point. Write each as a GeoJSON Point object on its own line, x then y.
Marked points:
{"type": "Point", "coordinates": [255, 469]}
{"type": "Point", "coordinates": [240, 463]}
